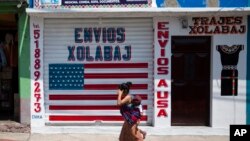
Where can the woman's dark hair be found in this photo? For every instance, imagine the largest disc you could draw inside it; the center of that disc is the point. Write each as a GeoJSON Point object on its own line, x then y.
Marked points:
{"type": "Point", "coordinates": [125, 87]}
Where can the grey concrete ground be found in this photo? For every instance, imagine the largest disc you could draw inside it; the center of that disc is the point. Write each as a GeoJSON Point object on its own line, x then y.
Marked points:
{"type": "Point", "coordinates": [4, 136]}
{"type": "Point", "coordinates": [13, 131]}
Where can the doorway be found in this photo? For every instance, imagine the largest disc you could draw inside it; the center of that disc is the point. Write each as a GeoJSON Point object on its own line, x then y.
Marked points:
{"type": "Point", "coordinates": [8, 65]}
{"type": "Point", "coordinates": [190, 84]}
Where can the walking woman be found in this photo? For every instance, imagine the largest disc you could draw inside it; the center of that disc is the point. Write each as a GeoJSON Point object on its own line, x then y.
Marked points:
{"type": "Point", "coordinates": [129, 131]}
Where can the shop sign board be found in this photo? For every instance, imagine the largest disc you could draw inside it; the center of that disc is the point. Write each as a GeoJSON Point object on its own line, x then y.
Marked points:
{"type": "Point", "coordinates": [90, 3]}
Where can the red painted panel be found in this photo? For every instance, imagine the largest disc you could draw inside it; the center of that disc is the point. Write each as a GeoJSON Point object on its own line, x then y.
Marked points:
{"type": "Point", "coordinates": [114, 75]}
{"type": "Point", "coordinates": [116, 65]}
{"type": "Point", "coordinates": [112, 86]}
{"type": "Point", "coordinates": [87, 107]}
{"type": "Point", "coordinates": [88, 97]}
{"type": "Point", "coordinates": [88, 118]}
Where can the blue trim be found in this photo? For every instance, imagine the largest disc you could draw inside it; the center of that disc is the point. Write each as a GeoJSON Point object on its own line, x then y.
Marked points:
{"type": "Point", "coordinates": [234, 3]}
{"type": "Point", "coordinates": [160, 3]}
{"type": "Point", "coordinates": [192, 3]}
{"type": "Point", "coordinates": [248, 73]}
{"type": "Point", "coordinates": [30, 3]}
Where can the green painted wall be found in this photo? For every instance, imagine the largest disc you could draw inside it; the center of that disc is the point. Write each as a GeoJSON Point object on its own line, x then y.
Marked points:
{"type": "Point", "coordinates": [23, 45]}
{"type": "Point", "coordinates": [24, 55]}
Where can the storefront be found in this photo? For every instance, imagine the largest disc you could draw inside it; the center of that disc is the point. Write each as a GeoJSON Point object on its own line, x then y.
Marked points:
{"type": "Point", "coordinates": [11, 31]}
{"type": "Point", "coordinates": [188, 66]}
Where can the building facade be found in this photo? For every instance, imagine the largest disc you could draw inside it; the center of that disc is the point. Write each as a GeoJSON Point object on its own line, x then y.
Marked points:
{"type": "Point", "coordinates": [14, 44]}
{"type": "Point", "coordinates": [188, 64]}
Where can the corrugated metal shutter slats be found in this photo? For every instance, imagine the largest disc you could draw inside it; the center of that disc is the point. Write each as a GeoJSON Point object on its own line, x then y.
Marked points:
{"type": "Point", "coordinates": [95, 100]}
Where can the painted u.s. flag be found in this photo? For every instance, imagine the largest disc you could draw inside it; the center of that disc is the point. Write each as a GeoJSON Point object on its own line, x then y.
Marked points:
{"type": "Point", "coordinates": [66, 76]}
{"type": "Point", "coordinates": [87, 92]}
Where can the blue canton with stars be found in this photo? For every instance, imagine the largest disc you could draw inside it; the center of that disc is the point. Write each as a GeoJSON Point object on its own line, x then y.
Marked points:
{"type": "Point", "coordinates": [66, 76]}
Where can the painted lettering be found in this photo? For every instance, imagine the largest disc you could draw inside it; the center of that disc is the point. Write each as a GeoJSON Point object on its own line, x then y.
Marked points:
{"type": "Point", "coordinates": [162, 113]}
{"type": "Point", "coordinates": [162, 99]}
{"type": "Point", "coordinates": [219, 25]}
{"type": "Point", "coordinates": [107, 53]}
{"type": "Point", "coordinates": [163, 37]}
{"type": "Point", "coordinates": [163, 25]}
{"type": "Point", "coordinates": [37, 117]}
{"type": "Point", "coordinates": [110, 34]}
{"type": "Point", "coordinates": [162, 104]}
{"type": "Point", "coordinates": [71, 53]}
{"type": "Point", "coordinates": [162, 70]}
{"type": "Point", "coordinates": [163, 43]}
{"type": "Point", "coordinates": [163, 83]}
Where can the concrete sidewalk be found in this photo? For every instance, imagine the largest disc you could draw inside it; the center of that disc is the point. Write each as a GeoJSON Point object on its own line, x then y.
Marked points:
{"type": "Point", "coordinates": [12, 131]}
{"type": "Point", "coordinates": [4, 136]}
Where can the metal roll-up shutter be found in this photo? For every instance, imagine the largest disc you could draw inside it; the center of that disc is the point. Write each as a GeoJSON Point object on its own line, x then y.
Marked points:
{"type": "Point", "coordinates": [84, 62]}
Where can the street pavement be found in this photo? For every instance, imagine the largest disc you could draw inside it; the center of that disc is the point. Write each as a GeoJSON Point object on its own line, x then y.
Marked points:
{"type": "Point", "coordinates": [12, 131]}
{"type": "Point", "coordinates": [103, 137]}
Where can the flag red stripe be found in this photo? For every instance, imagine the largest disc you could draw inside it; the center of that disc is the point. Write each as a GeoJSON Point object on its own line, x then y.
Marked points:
{"type": "Point", "coordinates": [88, 97]}
{"type": "Point", "coordinates": [89, 107]}
{"type": "Point", "coordinates": [111, 86]}
{"type": "Point", "coordinates": [116, 65]}
{"type": "Point", "coordinates": [88, 118]}
{"type": "Point", "coordinates": [115, 75]}
{"type": "Point", "coordinates": [102, 107]}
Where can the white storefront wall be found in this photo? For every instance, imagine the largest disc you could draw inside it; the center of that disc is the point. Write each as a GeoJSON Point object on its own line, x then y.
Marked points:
{"type": "Point", "coordinates": [225, 110]}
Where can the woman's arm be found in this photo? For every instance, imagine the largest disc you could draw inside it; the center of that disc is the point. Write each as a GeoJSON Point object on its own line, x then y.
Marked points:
{"type": "Point", "coordinates": [121, 101]}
